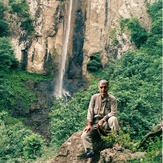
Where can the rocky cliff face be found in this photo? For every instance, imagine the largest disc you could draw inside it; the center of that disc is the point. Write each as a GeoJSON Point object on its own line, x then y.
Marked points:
{"type": "Point", "coordinates": [103, 27]}
{"type": "Point", "coordinates": [94, 28]}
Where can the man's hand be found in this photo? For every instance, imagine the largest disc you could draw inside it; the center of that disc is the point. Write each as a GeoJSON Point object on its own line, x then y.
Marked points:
{"type": "Point", "coordinates": [100, 123]}
{"type": "Point", "coordinates": [88, 128]}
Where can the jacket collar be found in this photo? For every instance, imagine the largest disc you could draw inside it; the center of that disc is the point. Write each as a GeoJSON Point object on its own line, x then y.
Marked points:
{"type": "Point", "coordinates": [105, 99]}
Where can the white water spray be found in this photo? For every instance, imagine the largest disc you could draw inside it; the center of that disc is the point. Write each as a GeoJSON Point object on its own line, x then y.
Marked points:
{"type": "Point", "coordinates": [59, 85]}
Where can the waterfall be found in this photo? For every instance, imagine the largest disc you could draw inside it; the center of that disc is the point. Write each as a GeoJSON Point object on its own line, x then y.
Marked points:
{"type": "Point", "coordinates": [59, 85]}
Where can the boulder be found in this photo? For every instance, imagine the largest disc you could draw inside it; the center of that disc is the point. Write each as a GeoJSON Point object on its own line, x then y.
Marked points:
{"type": "Point", "coordinates": [72, 151]}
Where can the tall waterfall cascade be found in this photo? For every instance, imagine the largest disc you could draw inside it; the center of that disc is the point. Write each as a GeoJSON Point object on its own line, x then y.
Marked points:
{"type": "Point", "coordinates": [59, 90]}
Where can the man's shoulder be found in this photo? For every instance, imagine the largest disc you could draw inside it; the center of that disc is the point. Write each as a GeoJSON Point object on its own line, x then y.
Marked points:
{"type": "Point", "coordinates": [96, 95]}
{"type": "Point", "coordinates": [111, 96]}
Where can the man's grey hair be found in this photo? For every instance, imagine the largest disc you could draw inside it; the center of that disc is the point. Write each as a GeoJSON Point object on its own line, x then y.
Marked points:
{"type": "Point", "coordinates": [103, 81]}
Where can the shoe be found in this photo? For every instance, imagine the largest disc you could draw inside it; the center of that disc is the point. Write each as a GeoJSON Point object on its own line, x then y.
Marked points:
{"type": "Point", "coordinates": [90, 154]}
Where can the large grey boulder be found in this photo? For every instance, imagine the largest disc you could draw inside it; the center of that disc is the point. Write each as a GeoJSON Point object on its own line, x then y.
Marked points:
{"type": "Point", "coordinates": [72, 151]}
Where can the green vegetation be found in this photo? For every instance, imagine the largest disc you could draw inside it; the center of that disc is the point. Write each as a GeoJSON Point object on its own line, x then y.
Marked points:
{"type": "Point", "coordinates": [138, 33]}
{"type": "Point", "coordinates": [32, 146]}
{"type": "Point", "coordinates": [21, 8]}
{"type": "Point", "coordinates": [113, 36]}
{"type": "Point", "coordinates": [17, 141]}
{"type": "Point", "coordinates": [4, 25]}
{"type": "Point", "coordinates": [95, 63]}
{"type": "Point", "coordinates": [7, 62]}
{"type": "Point", "coordinates": [123, 139]}
{"type": "Point", "coordinates": [136, 81]}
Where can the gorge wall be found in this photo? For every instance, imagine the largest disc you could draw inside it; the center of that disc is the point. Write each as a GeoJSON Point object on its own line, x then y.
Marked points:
{"type": "Point", "coordinates": [95, 25]}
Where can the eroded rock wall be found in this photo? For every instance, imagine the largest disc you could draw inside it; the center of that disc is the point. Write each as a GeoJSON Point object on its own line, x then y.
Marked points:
{"type": "Point", "coordinates": [103, 17]}
{"type": "Point", "coordinates": [92, 26]}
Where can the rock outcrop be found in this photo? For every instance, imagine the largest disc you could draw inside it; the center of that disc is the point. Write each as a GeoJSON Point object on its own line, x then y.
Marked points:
{"type": "Point", "coordinates": [72, 150]}
{"type": "Point", "coordinates": [95, 25]}
{"type": "Point", "coordinates": [103, 27]}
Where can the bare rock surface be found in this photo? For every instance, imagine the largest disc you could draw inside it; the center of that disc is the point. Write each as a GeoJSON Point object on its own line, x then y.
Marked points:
{"type": "Point", "coordinates": [102, 27]}
{"type": "Point", "coordinates": [72, 150]}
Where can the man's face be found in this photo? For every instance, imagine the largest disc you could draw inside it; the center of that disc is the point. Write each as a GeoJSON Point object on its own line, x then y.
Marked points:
{"type": "Point", "coordinates": [103, 88]}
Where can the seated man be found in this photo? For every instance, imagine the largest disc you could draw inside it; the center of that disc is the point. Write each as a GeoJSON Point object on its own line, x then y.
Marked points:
{"type": "Point", "coordinates": [101, 115]}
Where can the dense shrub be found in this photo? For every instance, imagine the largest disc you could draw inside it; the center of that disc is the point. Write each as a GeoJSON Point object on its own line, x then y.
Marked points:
{"type": "Point", "coordinates": [95, 63]}
{"type": "Point", "coordinates": [154, 42]}
{"type": "Point", "coordinates": [17, 141]}
{"type": "Point", "coordinates": [7, 62]}
{"type": "Point", "coordinates": [136, 81]}
{"type": "Point", "coordinates": [4, 25]}
{"type": "Point", "coordinates": [32, 146]}
{"type": "Point", "coordinates": [138, 33]}
{"type": "Point", "coordinates": [4, 28]}
{"type": "Point", "coordinates": [22, 9]}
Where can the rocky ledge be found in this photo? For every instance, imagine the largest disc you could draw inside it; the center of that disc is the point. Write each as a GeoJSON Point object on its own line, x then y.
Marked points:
{"type": "Point", "coordinates": [71, 152]}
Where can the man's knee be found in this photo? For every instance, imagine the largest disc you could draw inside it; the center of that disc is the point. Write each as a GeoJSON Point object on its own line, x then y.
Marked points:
{"type": "Point", "coordinates": [113, 123]}
{"type": "Point", "coordinates": [113, 119]}
{"type": "Point", "coordinates": [84, 135]}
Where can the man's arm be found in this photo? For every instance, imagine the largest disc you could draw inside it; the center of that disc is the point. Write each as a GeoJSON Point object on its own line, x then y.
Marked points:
{"type": "Point", "coordinates": [88, 127]}
{"type": "Point", "coordinates": [90, 115]}
{"type": "Point", "coordinates": [113, 110]}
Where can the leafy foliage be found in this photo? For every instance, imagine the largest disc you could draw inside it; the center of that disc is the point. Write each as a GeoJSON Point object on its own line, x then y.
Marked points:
{"type": "Point", "coordinates": [4, 25]}
{"type": "Point", "coordinates": [16, 140]}
{"type": "Point", "coordinates": [138, 33]}
{"type": "Point", "coordinates": [95, 63]}
{"type": "Point", "coordinates": [8, 60]}
{"type": "Point", "coordinates": [21, 8]}
{"type": "Point", "coordinates": [154, 42]}
{"type": "Point", "coordinates": [32, 146]}
{"type": "Point", "coordinates": [122, 139]}
{"type": "Point", "coordinates": [154, 150]}
{"type": "Point", "coordinates": [4, 28]}
{"type": "Point", "coordinates": [6, 63]}
{"type": "Point", "coordinates": [137, 88]}
{"type": "Point", "coordinates": [68, 118]}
